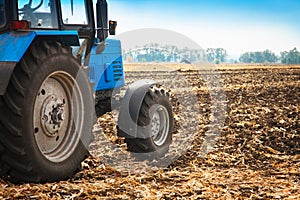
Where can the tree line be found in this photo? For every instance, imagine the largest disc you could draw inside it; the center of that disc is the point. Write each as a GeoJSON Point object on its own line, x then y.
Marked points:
{"type": "Point", "coordinates": [166, 53]}
{"type": "Point", "coordinates": [267, 56]}
{"type": "Point", "coordinates": [290, 57]}
{"type": "Point", "coordinates": [259, 57]}
{"type": "Point", "coordinates": [169, 53]}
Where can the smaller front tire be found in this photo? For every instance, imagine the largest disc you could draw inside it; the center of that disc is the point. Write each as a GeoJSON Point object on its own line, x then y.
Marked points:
{"type": "Point", "coordinates": [155, 114]}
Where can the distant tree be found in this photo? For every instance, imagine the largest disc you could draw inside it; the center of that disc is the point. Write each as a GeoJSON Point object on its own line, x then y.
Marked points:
{"type": "Point", "coordinates": [221, 54]}
{"type": "Point", "coordinates": [210, 54]}
{"type": "Point", "coordinates": [284, 57]}
{"type": "Point", "coordinates": [259, 57]}
{"type": "Point", "coordinates": [245, 58]}
{"type": "Point", "coordinates": [270, 57]}
{"type": "Point", "coordinates": [214, 55]}
{"type": "Point", "coordinates": [290, 57]}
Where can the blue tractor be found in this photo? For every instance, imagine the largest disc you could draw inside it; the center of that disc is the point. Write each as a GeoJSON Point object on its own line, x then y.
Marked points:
{"type": "Point", "coordinates": [58, 67]}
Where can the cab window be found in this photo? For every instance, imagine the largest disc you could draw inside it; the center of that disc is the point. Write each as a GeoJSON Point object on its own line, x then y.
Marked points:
{"type": "Point", "coordinates": [74, 12]}
{"type": "Point", "coordinates": [40, 13]}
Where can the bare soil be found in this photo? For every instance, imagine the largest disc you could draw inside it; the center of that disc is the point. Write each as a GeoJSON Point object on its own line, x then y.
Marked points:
{"type": "Point", "coordinates": [256, 156]}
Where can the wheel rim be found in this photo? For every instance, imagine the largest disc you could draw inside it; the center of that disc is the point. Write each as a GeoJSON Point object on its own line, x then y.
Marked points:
{"type": "Point", "coordinates": [159, 124]}
{"type": "Point", "coordinates": [58, 116]}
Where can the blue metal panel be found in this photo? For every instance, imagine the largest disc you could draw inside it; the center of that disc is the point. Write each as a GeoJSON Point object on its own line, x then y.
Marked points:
{"type": "Point", "coordinates": [55, 33]}
{"type": "Point", "coordinates": [13, 45]}
{"type": "Point", "coordinates": [106, 69]}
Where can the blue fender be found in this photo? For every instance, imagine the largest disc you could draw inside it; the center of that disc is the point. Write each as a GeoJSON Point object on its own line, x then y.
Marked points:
{"type": "Point", "coordinates": [129, 110]}
{"type": "Point", "coordinates": [13, 46]}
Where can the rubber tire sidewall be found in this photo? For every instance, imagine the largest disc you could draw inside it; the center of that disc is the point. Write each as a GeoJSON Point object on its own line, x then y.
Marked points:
{"type": "Point", "coordinates": [47, 170]}
{"type": "Point", "coordinates": [146, 149]}
{"type": "Point", "coordinates": [163, 101]}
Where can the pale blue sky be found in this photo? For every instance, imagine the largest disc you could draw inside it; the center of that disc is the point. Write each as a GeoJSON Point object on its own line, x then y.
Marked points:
{"type": "Point", "coordinates": [236, 25]}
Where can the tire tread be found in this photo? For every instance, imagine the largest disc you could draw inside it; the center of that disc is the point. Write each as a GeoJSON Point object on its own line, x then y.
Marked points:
{"type": "Point", "coordinates": [141, 145]}
{"type": "Point", "coordinates": [15, 164]}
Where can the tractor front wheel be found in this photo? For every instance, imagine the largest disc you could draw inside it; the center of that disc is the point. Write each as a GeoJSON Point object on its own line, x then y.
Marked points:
{"type": "Point", "coordinates": [156, 115]}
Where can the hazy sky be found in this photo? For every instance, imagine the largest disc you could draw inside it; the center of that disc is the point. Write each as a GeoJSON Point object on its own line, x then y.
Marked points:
{"type": "Point", "coordinates": [236, 25]}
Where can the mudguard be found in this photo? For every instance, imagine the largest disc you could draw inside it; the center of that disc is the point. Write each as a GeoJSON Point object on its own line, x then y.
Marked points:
{"type": "Point", "coordinates": [13, 46]}
{"type": "Point", "coordinates": [6, 69]}
{"type": "Point", "coordinates": [129, 110]}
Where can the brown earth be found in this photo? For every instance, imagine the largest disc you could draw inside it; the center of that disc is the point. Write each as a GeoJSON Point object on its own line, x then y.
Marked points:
{"type": "Point", "coordinates": [256, 155]}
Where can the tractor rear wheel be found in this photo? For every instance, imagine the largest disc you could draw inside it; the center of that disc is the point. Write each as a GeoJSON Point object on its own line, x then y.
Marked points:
{"type": "Point", "coordinates": [46, 116]}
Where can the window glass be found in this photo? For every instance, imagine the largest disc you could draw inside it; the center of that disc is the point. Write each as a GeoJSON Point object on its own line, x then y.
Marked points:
{"type": "Point", "coordinates": [2, 13]}
{"type": "Point", "coordinates": [40, 13]}
{"type": "Point", "coordinates": [74, 13]}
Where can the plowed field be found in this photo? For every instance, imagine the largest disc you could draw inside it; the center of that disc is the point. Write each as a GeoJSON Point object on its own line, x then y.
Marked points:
{"type": "Point", "coordinates": [255, 155]}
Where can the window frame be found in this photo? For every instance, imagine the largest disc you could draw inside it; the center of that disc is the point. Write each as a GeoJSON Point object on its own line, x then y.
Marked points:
{"type": "Point", "coordinates": [84, 30]}
{"type": "Point", "coordinates": [55, 14]}
{"type": "Point", "coordinates": [5, 16]}
{"type": "Point", "coordinates": [75, 24]}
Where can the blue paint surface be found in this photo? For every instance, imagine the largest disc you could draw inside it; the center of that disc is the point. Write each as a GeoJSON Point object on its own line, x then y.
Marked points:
{"type": "Point", "coordinates": [106, 69]}
{"type": "Point", "coordinates": [55, 33]}
{"type": "Point", "coordinates": [13, 45]}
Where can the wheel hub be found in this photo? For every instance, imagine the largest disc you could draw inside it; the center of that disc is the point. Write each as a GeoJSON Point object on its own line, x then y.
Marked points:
{"type": "Point", "coordinates": [159, 124]}
{"type": "Point", "coordinates": [53, 115]}
{"type": "Point", "coordinates": [155, 124]}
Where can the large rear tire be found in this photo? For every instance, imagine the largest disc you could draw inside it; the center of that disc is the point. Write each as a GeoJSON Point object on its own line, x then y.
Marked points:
{"type": "Point", "coordinates": [46, 116]}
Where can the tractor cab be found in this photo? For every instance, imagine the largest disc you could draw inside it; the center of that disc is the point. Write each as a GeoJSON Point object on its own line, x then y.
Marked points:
{"type": "Point", "coordinates": [44, 14]}
{"type": "Point", "coordinates": [57, 15]}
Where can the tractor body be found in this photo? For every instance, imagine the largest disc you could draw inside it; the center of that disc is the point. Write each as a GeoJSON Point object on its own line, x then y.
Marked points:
{"type": "Point", "coordinates": [52, 22]}
{"type": "Point", "coordinates": [58, 69]}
